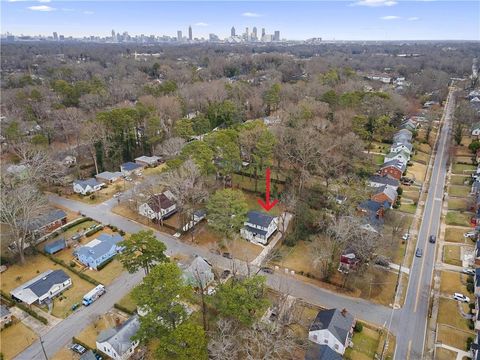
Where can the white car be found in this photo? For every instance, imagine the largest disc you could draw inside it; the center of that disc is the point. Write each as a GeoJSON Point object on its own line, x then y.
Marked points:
{"type": "Point", "coordinates": [406, 236]}
{"type": "Point", "coordinates": [461, 297]}
{"type": "Point", "coordinates": [469, 234]}
{"type": "Point", "coordinates": [468, 271]}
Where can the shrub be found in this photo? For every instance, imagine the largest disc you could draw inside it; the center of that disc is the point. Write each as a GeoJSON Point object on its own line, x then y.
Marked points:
{"type": "Point", "coordinates": [72, 264]}
{"type": "Point", "coordinates": [94, 230]}
{"type": "Point", "coordinates": [92, 197]}
{"type": "Point", "coordinates": [470, 288]}
{"type": "Point", "coordinates": [105, 263]}
{"type": "Point", "coordinates": [469, 342]}
{"type": "Point", "coordinates": [123, 308]}
{"type": "Point", "coordinates": [32, 313]}
{"type": "Point", "coordinates": [121, 232]}
{"type": "Point", "coordinates": [399, 191]}
{"type": "Point", "coordinates": [471, 325]}
{"type": "Point", "coordinates": [358, 327]}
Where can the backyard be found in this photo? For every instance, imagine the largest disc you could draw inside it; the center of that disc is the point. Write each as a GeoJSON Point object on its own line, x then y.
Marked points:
{"type": "Point", "coordinates": [368, 344]}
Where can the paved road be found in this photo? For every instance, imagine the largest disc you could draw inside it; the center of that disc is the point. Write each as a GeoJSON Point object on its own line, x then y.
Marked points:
{"type": "Point", "coordinates": [61, 334]}
{"type": "Point", "coordinates": [411, 321]}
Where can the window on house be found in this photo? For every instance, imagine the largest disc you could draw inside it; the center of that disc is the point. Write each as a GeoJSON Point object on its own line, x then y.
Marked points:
{"type": "Point", "coordinates": [325, 341]}
{"type": "Point", "coordinates": [336, 347]}
{"type": "Point", "coordinates": [315, 337]}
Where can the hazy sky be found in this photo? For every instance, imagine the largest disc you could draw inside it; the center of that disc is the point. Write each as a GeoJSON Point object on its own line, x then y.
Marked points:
{"type": "Point", "coordinates": [347, 20]}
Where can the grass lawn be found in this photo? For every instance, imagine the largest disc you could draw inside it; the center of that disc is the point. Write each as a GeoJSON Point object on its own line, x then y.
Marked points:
{"type": "Point", "coordinates": [365, 345]}
{"type": "Point", "coordinates": [421, 157]}
{"type": "Point", "coordinates": [459, 179]}
{"type": "Point", "coordinates": [448, 314]}
{"type": "Point", "coordinates": [14, 339]}
{"type": "Point", "coordinates": [444, 354]}
{"type": "Point", "coordinates": [458, 218]}
{"type": "Point", "coordinates": [425, 148]}
{"type": "Point", "coordinates": [451, 282]}
{"type": "Point", "coordinates": [152, 171]}
{"type": "Point", "coordinates": [254, 205]}
{"type": "Point", "coordinates": [451, 255]}
{"type": "Point", "coordinates": [35, 264]}
{"type": "Point", "coordinates": [455, 234]}
{"type": "Point", "coordinates": [463, 159]}
{"type": "Point", "coordinates": [90, 333]}
{"type": "Point", "coordinates": [417, 171]}
{"type": "Point", "coordinates": [459, 190]}
{"type": "Point", "coordinates": [457, 204]}
{"type": "Point", "coordinates": [408, 208]}
{"type": "Point", "coordinates": [378, 159]}
{"type": "Point", "coordinates": [104, 194]}
{"type": "Point", "coordinates": [411, 194]}
{"type": "Point", "coordinates": [128, 303]}
{"type": "Point", "coordinates": [462, 169]}
{"type": "Point", "coordinates": [453, 336]}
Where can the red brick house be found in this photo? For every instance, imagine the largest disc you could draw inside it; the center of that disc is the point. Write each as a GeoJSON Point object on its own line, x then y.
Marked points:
{"type": "Point", "coordinates": [393, 168]}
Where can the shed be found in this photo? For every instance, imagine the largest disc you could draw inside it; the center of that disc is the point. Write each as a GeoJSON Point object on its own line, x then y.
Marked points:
{"type": "Point", "coordinates": [55, 246]}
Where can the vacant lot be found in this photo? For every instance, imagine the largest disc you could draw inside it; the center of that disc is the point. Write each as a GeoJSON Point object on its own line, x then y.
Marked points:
{"type": "Point", "coordinates": [458, 218]}
{"type": "Point", "coordinates": [456, 235]}
{"type": "Point", "coordinates": [16, 338]}
{"type": "Point", "coordinates": [459, 190]}
{"type": "Point", "coordinates": [451, 282]}
{"type": "Point", "coordinates": [36, 264]}
{"type": "Point", "coordinates": [451, 255]}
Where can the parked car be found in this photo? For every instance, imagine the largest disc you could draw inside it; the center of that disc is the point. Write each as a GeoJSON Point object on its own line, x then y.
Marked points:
{"type": "Point", "coordinates": [76, 237]}
{"type": "Point", "coordinates": [128, 178]}
{"type": "Point", "coordinates": [266, 270]}
{"type": "Point", "coordinates": [78, 348]}
{"type": "Point", "coordinates": [461, 297]}
{"type": "Point", "coordinates": [419, 252]}
{"type": "Point", "coordinates": [432, 239]}
{"type": "Point", "coordinates": [227, 255]}
{"type": "Point", "coordinates": [468, 271]}
{"type": "Point", "coordinates": [118, 194]}
{"type": "Point", "coordinates": [406, 236]}
{"type": "Point", "coordinates": [469, 234]}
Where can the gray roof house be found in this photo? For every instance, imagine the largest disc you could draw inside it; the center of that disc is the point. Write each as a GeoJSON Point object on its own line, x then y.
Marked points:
{"type": "Point", "coordinates": [200, 270]}
{"type": "Point", "coordinates": [321, 352]}
{"type": "Point", "coordinates": [378, 180]}
{"type": "Point", "coordinates": [108, 176]}
{"type": "Point", "coordinates": [403, 133]}
{"type": "Point", "coordinates": [385, 193]}
{"type": "Point", "coordinates": [99, 250]}
{"type": "Point", "coordinates": [333, 328]}
{"type": "Point", "coordinates": [259, 227]}
{"type": "Point", "coordinates": [42, 287]}
{"type": "Point", "coordinates": [5, 316]}
{"type": "Point", "coordinates": [117, 342]}
{"type": "Point", "coordinates": [87, 186]}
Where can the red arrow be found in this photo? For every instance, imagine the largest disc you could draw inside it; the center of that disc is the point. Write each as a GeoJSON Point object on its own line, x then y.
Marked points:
{"type": "Point", "coordinates": [267, 205]}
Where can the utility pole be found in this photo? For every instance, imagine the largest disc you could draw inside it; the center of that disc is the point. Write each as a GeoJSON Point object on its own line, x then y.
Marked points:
{"type": "Point", "coordinates": [43, 349]}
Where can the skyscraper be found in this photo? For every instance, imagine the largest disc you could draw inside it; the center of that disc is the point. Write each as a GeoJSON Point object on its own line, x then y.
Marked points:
{"type": "Point", "coordinates": [190, 35]}
{"type": "Point", "coordinates": [276, 36]}
{"type": "Point", "coordinates": [263, 32]}
{"type": "Point", "coordinates": [232, 32]}
{"type": "Point", "coordinates": [55, 36]}
{"type": "Point", "coordinates": [254, 33]}
{"type": "Point", "coordinates": [113, 35]}
{"type": "Point", "coordinates": [179, 35]}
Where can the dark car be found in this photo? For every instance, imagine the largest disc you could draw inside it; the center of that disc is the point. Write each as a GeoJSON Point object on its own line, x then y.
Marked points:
{"type": "Point", "coordinates": [432, 239]}
{"type": "Point", "coordinates": [267, 270]}
{"type": "Point", "coordinates": [419, 252]}
{"type": "Point", "coordinates": [78, 348]}
{"type": "Point", "coordinates": [225, 274]}
{"type": "Point", "coordinates": [227, 255]}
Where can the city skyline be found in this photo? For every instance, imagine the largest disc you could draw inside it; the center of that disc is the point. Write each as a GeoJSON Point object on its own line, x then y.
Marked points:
{"type": "Point", "coordinates": [341, 20]}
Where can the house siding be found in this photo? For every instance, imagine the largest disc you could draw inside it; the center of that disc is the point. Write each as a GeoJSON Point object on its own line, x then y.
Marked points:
{"type": "Point", "coordinates": [391, 171]}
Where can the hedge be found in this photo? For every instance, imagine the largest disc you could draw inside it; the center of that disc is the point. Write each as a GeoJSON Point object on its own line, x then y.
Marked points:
{"type": "Point", "coordinates": [72, 269]}
{"type": "Point", "coordinates": [23, 307]}
{"type": "Point", "coordinates": [123, 308]}
{"type": "Point", "coordinates": [94, 230]}
{"type": "Point", "coordinates": [105, 263]}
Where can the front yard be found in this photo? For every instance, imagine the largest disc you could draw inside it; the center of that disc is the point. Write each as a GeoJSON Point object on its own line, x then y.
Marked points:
{"type": "Point", "coordinates": [451, 282]}
{"type": "Point", "coordinates": [463, 169]}
{"type": "Point", "coordinates": [456, 235]}
{"type": "Point", "coordinates": [458, 218]}
{"type": "Point", "coordinates": [459, 190]}
{"type": "Point", "coordinates": [368, 344]}
{"type": "Point", "coordinates": [458, 204]}
{"type": "Point", "coordinates": [417, 171]}
{"type": "Point", "coordinates": [98, 324]}
{"type": "Point", "coordinates": [451, 255]}
{"type": "Point", "coordinates": [15, 339]}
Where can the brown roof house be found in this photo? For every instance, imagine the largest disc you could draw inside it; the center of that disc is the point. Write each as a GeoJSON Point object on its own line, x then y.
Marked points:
{"type": "Point", "coordinates": [158, 207]}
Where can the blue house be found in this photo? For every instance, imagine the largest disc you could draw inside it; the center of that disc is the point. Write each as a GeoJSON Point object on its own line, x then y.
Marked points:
{"type": "Point", "coordinates": [129, 168]}
{"type": "Point", "coordinates": [99, 250]}
{"type": "Point", "coordinates": [55, 246]}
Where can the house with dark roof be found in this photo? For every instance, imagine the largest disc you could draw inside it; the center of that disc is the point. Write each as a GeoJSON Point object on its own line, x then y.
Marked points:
{"type": "Point", "coordinates": [109, 177]}
{"type": "Point", "coordinates": [198, 272]}
{"type": "Point", "coordinates": [394, 169]}
{"type": "Point", "coordinates": [129, 168]}
{"type": "Point", "coordinates": [99, 250]}
{"type": "Point", "coordinates": [404, 146]}
{"type": "Point", "coordinates": [148, 161]}
{"type": "Point", "coordinates": [158, 206]}
{"type": "Point", "coordinates": [409, 124]}
{"type": "Point", "coordinates": [333, 328]}
{"type": "Point", "coordinates": [403, 133]}
{"type": "Point", "coordinates": [42, 288]}
{"type": "Point", "coordinates": [118, 342]}
{"type": "Point", "coordinates": [321, 352]}
{"type": "Point", "coordinates": [378, 181]}
{"type": "Point", "coordinates": [477, 282]}
{"type": "Point", "coordinates": [88, 186]}
{"type": "Point", "coordinates": [384, 194]}
{"type": "Point", "coordinates": [46, 223]}
{"type": "Point", "coordinates": [5, 316]}
{"type": "Point", "coordinates": [259, 227]}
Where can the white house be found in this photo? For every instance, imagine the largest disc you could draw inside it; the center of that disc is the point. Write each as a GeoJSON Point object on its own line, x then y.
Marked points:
{"type": "Point", "coordinates": [117, 342]}
{"type": "Point", "coordinates": [402, 146]}
{"type": "Point", "coordinates": [43, 287]}
{"type": "Point", "coordinates": [259, 227]}
{"type": "Point", "coordinates": [87, 186]}
{"type": "Point", "coordinates": [333, 328]}
{"type": "Point", "coordinates": [476, 129]}
{"type": "Point", "coordinates": [158, 206]}
{"type": "Point", "coordinates": [401, 156]}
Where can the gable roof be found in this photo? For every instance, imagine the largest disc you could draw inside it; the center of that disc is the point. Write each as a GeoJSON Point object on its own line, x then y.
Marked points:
{"type": "Point", "coordinates": [30, 291]}
{"type": "Point", "coordinates": [120, 338]}
{"type": "Point", "coordinates": [393, 155]}
{"type": "Point", "coordinates": [45, 219]}
{"type": "Point", "coordinates": [406, 144]}
{"type": "Point", "coordinates": [87, 182]}
{"type": "Point", "coordinates": [108, 175]}
{"type": "Point", "coordinates": [259, 218]}
{"type": "Point", "coordinates": [148, 159]}
{"type": "Point", "coordinates": [400, 165]}
{"type": "Point", "coordinates": [199, 270]}
{"type": "Point", "coordinates": [129, 166]}
{"type": "Point", "coordinates": [99, 246]}
{"type": "Point", "coordinates": [4, 310]}
{"type": "Point", "coordinates": [385, 180]}
{"type": "Point", "coordinates": [321, 352]}
{"type": "Point", "coordinates": [339, 323]}
{"type": "Point", "coordinates": [159, 201]}
{"type": "Point", "coordinates": [389, 191]}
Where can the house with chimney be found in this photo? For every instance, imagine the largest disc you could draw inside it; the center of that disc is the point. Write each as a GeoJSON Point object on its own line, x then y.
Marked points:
{"type": "Point", "coordinates": [158, 206]}
{"type": "Point", "coordinates": [393, 168]}
{"type": "Point", "coordinates": [385, 194]}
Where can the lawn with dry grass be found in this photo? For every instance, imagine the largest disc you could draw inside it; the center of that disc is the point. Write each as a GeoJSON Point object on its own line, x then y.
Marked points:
{"type": "Point", "coordinates": [423, 147]}
{"type": "Point", "coordinates": [463, 169]}
{"type": "Point", "coordinates": [460, 180]}
{"type": "Point", "coordinates": [417, 171]}
{"type": "Point", "coordinates": [451, 255]}
{"type": "Point", "coordinates": [444, 354]}
{"type": "Point", "coordinates": [17, 274]}
{"type": "Point", "coordinates": [456, 235]}
{"type": "Point", "coordinates": [408, 208]}
{"type": "Point", "coordinates": [448, 314]}
{"type": "Point", "coordinates": [90, 333]}
{"type": "Point", "coordinates": [15, 339]}
{"type": "Point", "coordinates": [458, 218]}
{"type": "Point", "coordinates": [459, 190]}
{"type": "Point", "coordinates": [124, 210]}
{"type": "Point", "coordinates": [102, 195]}
{"type": "Point", "coordinates": [451, 282]}
{"type": "Point", "coordinates": [411, 194]}
{"type": "Point", "coordinates": [421, 157]}
{"type": "Point", "coordinates": [65, 354]}
{"type": "Point", "coordinates": [457, 204]}
{"type": "Point", "coordinates": [453, 336]}
{"type": "Point", "coordinates": [128, 303]}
